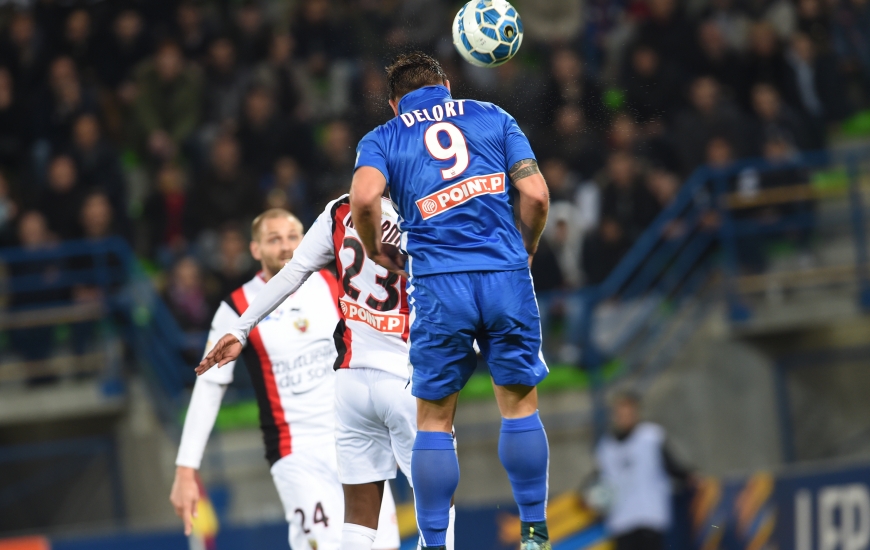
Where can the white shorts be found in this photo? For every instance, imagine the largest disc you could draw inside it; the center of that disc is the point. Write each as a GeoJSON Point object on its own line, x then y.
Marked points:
{"type": "Point", "coordinates": [375, 425]}
{"type": "Point", "coordinates": [313, 501]}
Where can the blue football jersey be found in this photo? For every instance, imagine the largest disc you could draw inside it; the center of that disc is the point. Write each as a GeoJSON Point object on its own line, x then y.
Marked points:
{"type": "Point", "coordinates": [446, 162]}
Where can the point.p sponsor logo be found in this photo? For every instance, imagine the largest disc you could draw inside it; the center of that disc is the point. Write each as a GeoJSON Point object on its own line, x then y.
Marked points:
{"type": "Point", "coordinates": [459, 193]}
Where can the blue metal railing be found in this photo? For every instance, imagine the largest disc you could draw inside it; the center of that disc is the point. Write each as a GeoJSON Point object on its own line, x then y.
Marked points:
{"type": "Point", "coordinates": [129, 298]}
{"type": "Point", "coordinates": [676, 254]}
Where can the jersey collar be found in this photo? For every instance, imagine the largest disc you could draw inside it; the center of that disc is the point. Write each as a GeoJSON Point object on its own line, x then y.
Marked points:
{"type": "Point", "coordinates": [424, 95]}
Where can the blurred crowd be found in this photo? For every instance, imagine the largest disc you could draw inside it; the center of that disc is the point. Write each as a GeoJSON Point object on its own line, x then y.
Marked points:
{"type": "Point", "coordinates": [172, 123]}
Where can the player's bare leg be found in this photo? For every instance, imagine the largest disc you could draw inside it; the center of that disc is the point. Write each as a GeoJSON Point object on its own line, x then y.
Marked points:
{"type": "Point", "coordinates": [362, 505]}
{"type": "Point", "coordinates": [361, 517]}
{"type": "Point", "coordinates": [524, 453]}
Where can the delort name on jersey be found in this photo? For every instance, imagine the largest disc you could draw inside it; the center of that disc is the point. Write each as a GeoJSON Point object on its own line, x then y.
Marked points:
{"type": "Point", "coordinates": [438, 113]}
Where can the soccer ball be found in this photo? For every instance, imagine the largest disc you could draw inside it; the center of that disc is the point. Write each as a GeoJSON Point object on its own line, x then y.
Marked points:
{"type": "Point", "coordinates": [487, 33]}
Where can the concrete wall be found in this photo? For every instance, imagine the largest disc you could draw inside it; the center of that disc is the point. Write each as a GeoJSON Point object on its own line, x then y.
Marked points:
{"type": "Point", "coordinates": [717, 402]}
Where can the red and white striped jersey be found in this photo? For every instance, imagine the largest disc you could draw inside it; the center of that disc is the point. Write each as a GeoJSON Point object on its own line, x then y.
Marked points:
{"type": "Point", "coordinates": [374, 304]}
{"type": "Point", "coordinates": [289, 356]}
{"type": "Point", "coordinates": [373, 330]}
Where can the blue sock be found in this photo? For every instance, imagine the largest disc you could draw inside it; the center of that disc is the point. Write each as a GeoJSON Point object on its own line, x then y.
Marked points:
{"type": "Point", "coordinates": [435, 473]}
{"type": "Point", "coordinates": [525, 454]}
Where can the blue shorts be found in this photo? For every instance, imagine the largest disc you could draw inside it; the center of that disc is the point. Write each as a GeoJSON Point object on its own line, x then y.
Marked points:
{"type": "Point", "coordinates": [449, 311]}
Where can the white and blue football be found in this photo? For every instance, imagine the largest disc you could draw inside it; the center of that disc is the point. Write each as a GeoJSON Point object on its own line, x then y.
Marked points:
{"type": "Point", "coordinates": [487, 33]}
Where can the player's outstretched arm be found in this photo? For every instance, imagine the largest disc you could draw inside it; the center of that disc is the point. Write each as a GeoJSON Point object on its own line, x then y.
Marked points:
{"type": "Point", "coordinates": [185, 496]}
{"type": "Point", "coordinates": [313, 254]}
{"type": "Point", "coordinates": [227, 349]}
{"type": "Point", "coordinates": [366, 191]}
{"type": "Point", "coordinates": [533, 202]}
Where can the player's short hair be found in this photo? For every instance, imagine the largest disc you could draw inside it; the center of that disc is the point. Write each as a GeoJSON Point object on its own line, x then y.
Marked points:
{"type": "Point", "coordinates": [628, 396]}
{"type": "Point", "coordinates": [411, 71]}
{"type": "Point", "coordinates": [270, 214]}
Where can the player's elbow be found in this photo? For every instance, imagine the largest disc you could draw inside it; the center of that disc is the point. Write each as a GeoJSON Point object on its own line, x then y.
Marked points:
{"type": "Point", "coordinates": [359, 199]}
{"type": "Point", "coordinates": [541, 202]}
{"type": "Point", "coordinates": [534, 193]}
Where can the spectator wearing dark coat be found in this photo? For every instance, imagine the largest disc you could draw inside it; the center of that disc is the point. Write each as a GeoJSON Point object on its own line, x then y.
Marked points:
{"type": "Point", "coordinates": [122, 50]}
{"type": "Point", "coordinates": [77, 42]}
{"type": "Point", "coordinates": [602, 250]}
{"type": "Point", "coordinates": [648, 143]}
{"type": "Point", "coordinates": [570, 85]}
{"type": "Point", "coordinates": [60, 103]}
{"type": "Point", "coordinates": [851, 40]}
{"type": "Point", "coordinates": [666, 31]}
{"type": "Point", "coordinates": [651, 83]}
{"type": "Point", "coordinates": [574, 141]}
{"type": "Point", "coordinates": [250, 33]}
{"type": "Point", "coordinates": [335, 166]}
{"type": "Point", "coordinates": [709, 114]}
{"type": "Point", "coordinates": [716, 59]}
{"type": "Point", "coordinates": [97, 161]}
{"type": "Point", "coordinates": [232, 264]}
{"type": "Point", "coordinates": [765, 62]}
{"type": "Point", "coordinates": [287, 188]}
{"type": "Point", "coordinates": [775, 119]}
{"type": "Point", "coordinates": [625, 199]}
{"type": "Point", "coordinates": [546, 272]}
{"type": "Point", "coordinates": [814, 20]}
{"type": "Point", "coordinates": [277, 73]}
{"type": "Point", "coordinates": [13, 124]}
{"type": "Point", "coordinates": [225, 83]}
{"type": "Point", "coordinates": [265, 134]}
{"type": "Point", "coordinates": [224, 192]}
{"type": "Point", "coordinates": [9, 208]}
{"type": "Point", "coordinates": [25, 51]}
{"type": "Point", "coordinates": [193, 31]}
{"type": "Point", "coordinates": [62, 198]}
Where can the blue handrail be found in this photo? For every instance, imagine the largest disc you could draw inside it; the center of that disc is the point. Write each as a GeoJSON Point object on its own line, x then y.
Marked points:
{"type": "Point", "coordinates": [150, 329]}
{"type": "Point", "coordinates": [665, 267]}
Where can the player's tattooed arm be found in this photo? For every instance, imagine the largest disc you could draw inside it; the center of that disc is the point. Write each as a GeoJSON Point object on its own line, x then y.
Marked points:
{"type": "Point", "coordinates": [532, 204]}
{"type": "Point", "coordinates": [523, 169]}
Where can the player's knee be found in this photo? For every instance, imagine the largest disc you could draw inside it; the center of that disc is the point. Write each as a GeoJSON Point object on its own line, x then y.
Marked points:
{"type": "Point", "coordinates": [436, 416]}
{"type": "Point", "coordinates": [516, 401]}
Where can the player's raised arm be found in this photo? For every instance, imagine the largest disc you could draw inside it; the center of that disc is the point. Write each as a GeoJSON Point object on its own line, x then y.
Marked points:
{"type": "Point", "coordinates": [313, 254]}
{"type": "Point", "coordinates": [365, 207]}
{"type": "Point", "coordinates": [533, 202]}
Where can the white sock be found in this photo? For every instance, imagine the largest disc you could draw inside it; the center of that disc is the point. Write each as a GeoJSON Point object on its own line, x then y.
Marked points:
{"type": "Point", "coordinates": [450, 527]}
{"type": "Point", "coordinates": [357, 537]}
